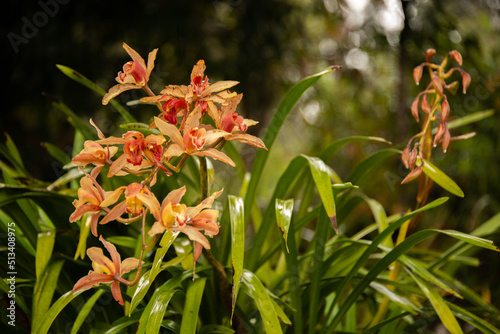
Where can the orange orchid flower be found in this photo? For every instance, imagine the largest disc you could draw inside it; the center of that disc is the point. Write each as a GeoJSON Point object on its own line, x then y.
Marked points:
{"type": "Point", "coordinates": [200, 92]}
{"type": "Point", "coordinates": [135, 74]}
{"type": "Point", "coordinates": [194, 138]}
{"type": "Point", "coordinates": [173, 216]}
{"type": "Point", "coordinates": [92, 199]}
{"type": "Point", "coordinates": [94, 153]}
{"type": "Point", "coordinates": [132, 204]}
{"type": "Point", "coordinates": [134, 146]}
{"type": "Point", "coordinates": [107, 270]}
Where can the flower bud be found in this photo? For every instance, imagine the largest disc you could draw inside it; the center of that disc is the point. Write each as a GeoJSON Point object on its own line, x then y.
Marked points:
{"type": "Point", "coordinates": [445, 109]}
{"type": "Point", "coordinates": [439, 134]}
{"type": "Point", "coordinates": [429, 54]}
{"type": "Point", "coordinates": [412, 175]}
{"type": "Point", "coordinates": [466, 79]}
{"type": "Point", "coordinates": [436, 83]}
{"type": "Point", "coordinates": [412, 159]}
{"type": "Point", "coordinates": [426, 108]}
{"type": "Point", "coordinates": [417, 74]}
{"type": "Point", "coordinates": [446, 140]}
{"type": "Point", "coordinates": [456, 56]}
{"type": "Point", "coordinates": [414, 109]}
{"type": "Point", "coordinates": [405, 156]}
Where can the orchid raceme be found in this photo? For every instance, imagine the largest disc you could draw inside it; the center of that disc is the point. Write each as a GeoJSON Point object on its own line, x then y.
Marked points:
{"type": "Point", "coordinates": [135, 74]}
{"type": "Point", "coordinates": [173, 216]}
{"type": "Point", "coordinates": [107, 270]}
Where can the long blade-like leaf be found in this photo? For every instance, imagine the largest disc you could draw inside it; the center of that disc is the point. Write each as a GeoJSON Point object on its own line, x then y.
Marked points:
{"type": "Point", "coordinates": [442, 179]}
{"type": "Point", "coordinates": [263, 302]}
{"type": "Point", "coordinates": [192, 305]}
{"type": "Point", "coordinates": [237, 214]}
{"type": "Point", "coordinates": [284, 108]}
{"type": "Point", "coordinates": [55, 309]}
{"type": "Point", "coordinates": [78, 77]}
{"type": "Point", "coordinates": [439, 305]}
{"type": "Point", "coordinates": [85, 310]}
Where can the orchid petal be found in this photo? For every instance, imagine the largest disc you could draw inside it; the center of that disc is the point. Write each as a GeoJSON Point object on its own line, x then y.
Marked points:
{"type": "Point", "coordinates": [151, 63]}
{"type": "Point", "coordinates": [218, 86]}
{"type": "Point", "coordinates": [91, 280]}
{"type": "Point", "coordinates": [218, 155]}
{"type": "Point", "coordinates": [151, 202]}
{"type": "Point", "coordinates": [117, 165]}
{"type": "Point", "coordinates": [169, 130]}
{"type": "Point", "coordinates": [98, 258]}
{"type": "Point", "coordinates": [247, 139]}
{"type": "Point", "coordinates": [117, 294]}
{"type": "Point", "coordinates": [112, 197]}
{"type": "Point", "coordinates": [117, 90]}
{"type": "Point", "coordinates": [134, 55]}
{"type": "Point", "coordinates": [129, 264]}
{"type": "Point", "coordinates": [114, 213]}
{"type": "Point", "coordinates": [115, 256]}
{"type": "Point", "coordinates": [174, 196]}
{"type": "Point", "coordinates": [206, 203]}
{"type": "Point", "coordinates": [157, 228]}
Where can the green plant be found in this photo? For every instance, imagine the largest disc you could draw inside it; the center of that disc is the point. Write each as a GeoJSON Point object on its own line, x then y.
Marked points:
{"type": "Point", "coordinates": [265, 271]}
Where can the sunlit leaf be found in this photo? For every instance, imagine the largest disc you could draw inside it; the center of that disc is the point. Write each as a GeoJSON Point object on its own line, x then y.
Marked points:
{"type": "Point", "coordinates": [442, 179]}
{"type": "Point", "coordinates": [284, 210]}
{"type": "Point", "coordinates": [263, 302]}
{"type": "Point", "coordinates": [237, 214]}
{"type": "Point", "coordinates": [44, 247]}
{"type": "Point", "coordinates": [57, 153]}
{"type": "Point", "coordinates": [147, 278]}
{"type": "Point", "coordinates": [55, 309]}
{"type": "Point", "coordinates": [194, 295]}
{"type": "Point", "coordinates": [85, 310]}
{"type": "Point", "coordinates": [279, 117]}
{"type": "Point", "coordinates": [321, 178]}
{"type": "Point", "coordinates": [44, 290]}
{"type": "Point", "coordinates": [439, 305]}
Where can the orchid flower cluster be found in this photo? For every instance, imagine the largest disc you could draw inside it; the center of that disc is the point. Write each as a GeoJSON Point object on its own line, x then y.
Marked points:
{"type": "Point", "coordinates": [181, 129]}
{"type": "Point", "coordinates": [433, 102]}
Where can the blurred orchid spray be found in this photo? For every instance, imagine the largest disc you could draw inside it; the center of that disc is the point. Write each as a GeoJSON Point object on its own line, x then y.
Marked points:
{"type": "Point", "coordinates": [433, 102]}
{"type": "Point", "coordinates": [181, 129]}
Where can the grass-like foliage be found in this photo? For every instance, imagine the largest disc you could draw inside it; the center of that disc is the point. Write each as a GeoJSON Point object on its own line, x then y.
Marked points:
{"type": "Point", "coordinates": [119, 242]}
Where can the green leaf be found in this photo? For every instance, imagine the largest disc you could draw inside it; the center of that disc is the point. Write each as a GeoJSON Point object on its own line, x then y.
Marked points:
{"type": "Point", "coordinates": [57, 153]}
{"type": "Point", "coordinates": [87, 131]}
{"type": "Point", "coordinates": [284, 210]}
{"type": "Point", "coordinates": [284, 108]}
{"type": "Point", "coordinates": [468, 119]}
{"type": "Point", "coordinates": [147, 279]}
{"type": "Point", "coordinates": [321, 178]}
{"type": "Point", "coordinates": [81, 248]}
{"type": "Point", "coordinates": [152, 315]}
{"type": "Point", "coordinates": [401, 301]}
{"type": "Point", "coordinates": [320, 239]}
{"type": "Point", "coordinates": [194, 295]}
{"type": "Point", "coordinates": [380, 265]}
{"type": "Point", "coordinates": [71, 73]}
{"type": "Point", "coordinates": [55, 309]}
{"type": "Point", "coordinates": [439, 305]}
{"type": "Point", "coordinates": [472, 319]}
{"type": "Point", "coordinates": [124, 241]}
{"type": "Point", "coordinates": [43, 292]}
{"type": "Point", "coordinates": [160, 303]}
{"type": "Point", "coordinates": [237, 214]}
{"type": "Point", "coordinates": [123, 322]}
{"type": "Point", "coordinates": [141, 127]}
{"type": "Point", "coordinates": [442, 179]}
{"type": "Point", "coordinates": [84, 312]}
{"type": "Point", "coordinates": [72, 174]}
{"type": "Point", "coordinates": [470, 239]}
{"type": "Point", "coordinates": [215, 329]}
{"type": "Point", "coordinates": [14, 153]}
{"type": "Point", "coordinates": [263, 302]}
{"type": "Point", "coordinates": [44, 247]}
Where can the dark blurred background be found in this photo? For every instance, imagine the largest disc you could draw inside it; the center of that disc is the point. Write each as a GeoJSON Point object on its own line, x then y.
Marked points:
{"type": "Point", "coordinates": [267, 46]}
